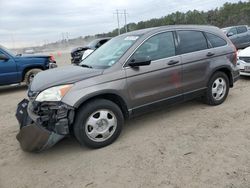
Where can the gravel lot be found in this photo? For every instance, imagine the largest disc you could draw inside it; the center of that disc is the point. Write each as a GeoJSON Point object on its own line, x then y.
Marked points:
{"type": "Point", "coordinates": [188, 145]}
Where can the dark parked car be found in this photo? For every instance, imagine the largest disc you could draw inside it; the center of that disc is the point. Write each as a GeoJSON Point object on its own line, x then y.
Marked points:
{"type": "Point", "coordinates": [77, 53]}
{"type": "Point", "coordinates": [131, 74]}
{"type": "Point", "coordinates": [239, 35]}
{"type": "Point", "coordinates": [16, 68]}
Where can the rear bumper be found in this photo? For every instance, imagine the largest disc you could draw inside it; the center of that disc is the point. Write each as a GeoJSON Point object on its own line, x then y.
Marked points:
{"type": "Point", "coordinates": [235, 75]}
{"type": "Point", "coordinates": [36, 133]}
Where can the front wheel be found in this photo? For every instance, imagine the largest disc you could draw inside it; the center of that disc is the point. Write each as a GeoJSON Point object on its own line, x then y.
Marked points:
{"type": "Point", "coordinates": [218, 88]}
{"type": "Point", "coordinates": [98, 123]}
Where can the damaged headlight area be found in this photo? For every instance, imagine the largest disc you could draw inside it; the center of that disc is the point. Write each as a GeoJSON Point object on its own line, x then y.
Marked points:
{"type": "Point", "coordinates": [43, 124]}
{"type": "Point", "coordinates": [53, 93]}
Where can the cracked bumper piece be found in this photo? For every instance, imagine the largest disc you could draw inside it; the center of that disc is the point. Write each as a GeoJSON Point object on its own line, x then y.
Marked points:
{"type": "Point", "coordinates": [42, 131]}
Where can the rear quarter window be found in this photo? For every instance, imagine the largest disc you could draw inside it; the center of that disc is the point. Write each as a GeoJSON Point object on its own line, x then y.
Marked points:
{"type": "Point", "coordinates": [191, 41]}
{"type": "Point", "coordinates": [215, 41]}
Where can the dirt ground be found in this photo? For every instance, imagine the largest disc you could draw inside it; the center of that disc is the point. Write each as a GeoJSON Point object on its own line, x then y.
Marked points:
{"type": "Point", "coordinates": [190, 145]}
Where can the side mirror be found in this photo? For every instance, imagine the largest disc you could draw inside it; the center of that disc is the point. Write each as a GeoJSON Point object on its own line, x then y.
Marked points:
{"type": "Point", "coordinates": [230, 34]}
{"type": "Point", "coordinates": [4, 57]}
{"type": "Point", "coordinates": [139, 61]}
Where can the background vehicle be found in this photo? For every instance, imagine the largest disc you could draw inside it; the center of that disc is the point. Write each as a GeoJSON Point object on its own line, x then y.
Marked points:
{"type": "Point", "coordinates": [244, 61]}
{"type": "Point", "coordinates": [131, 74]}
{"type": "Point", "coordinates": [18, 68]}
{"type": "Point", "coordinates": [78, 54]}
{"type": "Point", "coordinates": [239, 35]}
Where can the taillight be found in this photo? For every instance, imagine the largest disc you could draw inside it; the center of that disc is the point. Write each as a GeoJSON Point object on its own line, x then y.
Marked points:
{"type": "Point", "coordinates": [235, 58]}
{"type": "Point", "coordinates": [52, 58]}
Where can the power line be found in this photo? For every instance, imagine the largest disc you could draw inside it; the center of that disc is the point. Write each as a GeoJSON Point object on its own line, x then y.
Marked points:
{"type": "Point", "coordinates": [124, 13]}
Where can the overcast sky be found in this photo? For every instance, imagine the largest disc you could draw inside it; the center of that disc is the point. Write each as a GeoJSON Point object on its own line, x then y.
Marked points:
{"type": "Point", "coordinates": [32, 22]}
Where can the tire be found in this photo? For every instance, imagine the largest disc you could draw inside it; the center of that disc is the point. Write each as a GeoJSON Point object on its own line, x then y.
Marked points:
{"type": "Point", "coordinates": [217, 90]}
{"type": "Point", "coordinates": [98, 123]}
{"type": "Point", "coordinates": [28, 77]}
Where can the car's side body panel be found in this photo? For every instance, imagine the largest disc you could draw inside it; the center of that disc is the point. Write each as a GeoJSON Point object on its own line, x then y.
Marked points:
{"type": "Point", "coordinates": [147, 86]}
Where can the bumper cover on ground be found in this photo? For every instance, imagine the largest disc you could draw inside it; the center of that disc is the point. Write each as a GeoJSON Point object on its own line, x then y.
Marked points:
{"type": "Point", "coordinates": [33, 137]}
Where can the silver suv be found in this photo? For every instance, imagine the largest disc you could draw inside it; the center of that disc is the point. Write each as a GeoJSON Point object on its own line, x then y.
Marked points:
{"type": "Point", "coordinates": [132, 73]}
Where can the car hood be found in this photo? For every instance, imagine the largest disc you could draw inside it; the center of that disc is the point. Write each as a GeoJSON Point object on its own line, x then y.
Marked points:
{"type": "Point", "coordinates": [64, 75]}
{"type": "Point", "coordinates": [244, 53]}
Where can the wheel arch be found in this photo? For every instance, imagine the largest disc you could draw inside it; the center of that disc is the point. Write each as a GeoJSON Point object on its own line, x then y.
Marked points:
{"type": "Point", "coordinates": [114, 97]}
{"type": "Point", "coordinates": [225, 70]}
{"type": "Point", "coordinates": [26, 69]}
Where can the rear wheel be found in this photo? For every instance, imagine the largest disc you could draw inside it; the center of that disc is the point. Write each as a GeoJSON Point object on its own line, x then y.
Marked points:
{"type": "Point", "coordinates": [98, 123]}
{"type": "Point", "coordinates": [29, 76]}
{"type": "Point", "coordinates": [218, 88]}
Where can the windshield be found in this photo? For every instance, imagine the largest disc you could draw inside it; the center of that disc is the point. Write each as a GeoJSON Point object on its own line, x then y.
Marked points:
{"type": "Point", "coordinates": [109, 53]}
{"type": "Point", "coordinates": [8, 51]}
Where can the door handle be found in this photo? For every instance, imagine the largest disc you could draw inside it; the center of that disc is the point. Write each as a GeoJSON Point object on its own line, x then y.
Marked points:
{"type": "Point", "coordinates": [209, 54]}
{"type": "Point", "coordinates": [173, 62]}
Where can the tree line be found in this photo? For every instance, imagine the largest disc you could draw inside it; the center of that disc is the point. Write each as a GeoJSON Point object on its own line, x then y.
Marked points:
{"type": "Point", "coordinates": [227, 15]}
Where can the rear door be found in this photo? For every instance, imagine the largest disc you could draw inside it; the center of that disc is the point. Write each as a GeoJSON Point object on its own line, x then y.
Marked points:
{"type": "Point", "coordinates": [162, 78]}
{"type": "Point", "coordinates": [8, 70]}
{"type": "Point", "coordinates": [195, 56]}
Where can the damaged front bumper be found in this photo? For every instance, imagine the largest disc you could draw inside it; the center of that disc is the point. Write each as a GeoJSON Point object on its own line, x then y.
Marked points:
{"type": "Point", "coordinates": [42, 124]}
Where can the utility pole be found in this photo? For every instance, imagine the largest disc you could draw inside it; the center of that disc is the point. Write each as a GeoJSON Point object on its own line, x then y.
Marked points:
{"type": "Point", "coordinates": [118, 21]}
{"type": "Point", "coordinates": [62, 37]}
{"type": "Point", "coordinates": [67, 35]}
{"type": "Point", "coordinates": [118, 13]}
{"type": "Point", "coordinates": [125, 19]}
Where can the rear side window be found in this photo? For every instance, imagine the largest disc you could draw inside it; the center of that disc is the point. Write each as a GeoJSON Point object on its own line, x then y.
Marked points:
{"type": "Point", "coordinates": [191, 41]}
{"type": "Point", "coordinates": [241, 29]}
{"type": "Point", "coordinates": [215, 41]}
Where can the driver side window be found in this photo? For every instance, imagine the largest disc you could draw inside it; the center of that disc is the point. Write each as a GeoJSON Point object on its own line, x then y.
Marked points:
{"type": "Point", "coordinates": [233, 31]}
{"type": "Point", "coordinates": [157, 47]}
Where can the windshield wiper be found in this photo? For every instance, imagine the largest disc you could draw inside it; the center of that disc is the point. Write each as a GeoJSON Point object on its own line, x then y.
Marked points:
{"type": "Point", "coordinates": [88, 66]}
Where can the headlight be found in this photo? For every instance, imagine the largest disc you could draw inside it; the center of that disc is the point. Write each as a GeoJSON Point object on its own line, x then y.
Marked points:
{"type": "Point", "coordinates": [53, 93]}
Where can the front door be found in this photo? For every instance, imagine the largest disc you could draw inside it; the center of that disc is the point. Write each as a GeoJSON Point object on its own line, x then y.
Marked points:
{"type": "Point", "coordinates": [8, 70]}
{"type": "Point", "coordinates": [161, 79]}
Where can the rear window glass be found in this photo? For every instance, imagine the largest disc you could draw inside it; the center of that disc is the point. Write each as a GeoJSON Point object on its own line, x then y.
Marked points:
{"type": "Point", "coordinates": [191, 41]}
{"type": "Point", "coordinates": [215, 41]}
